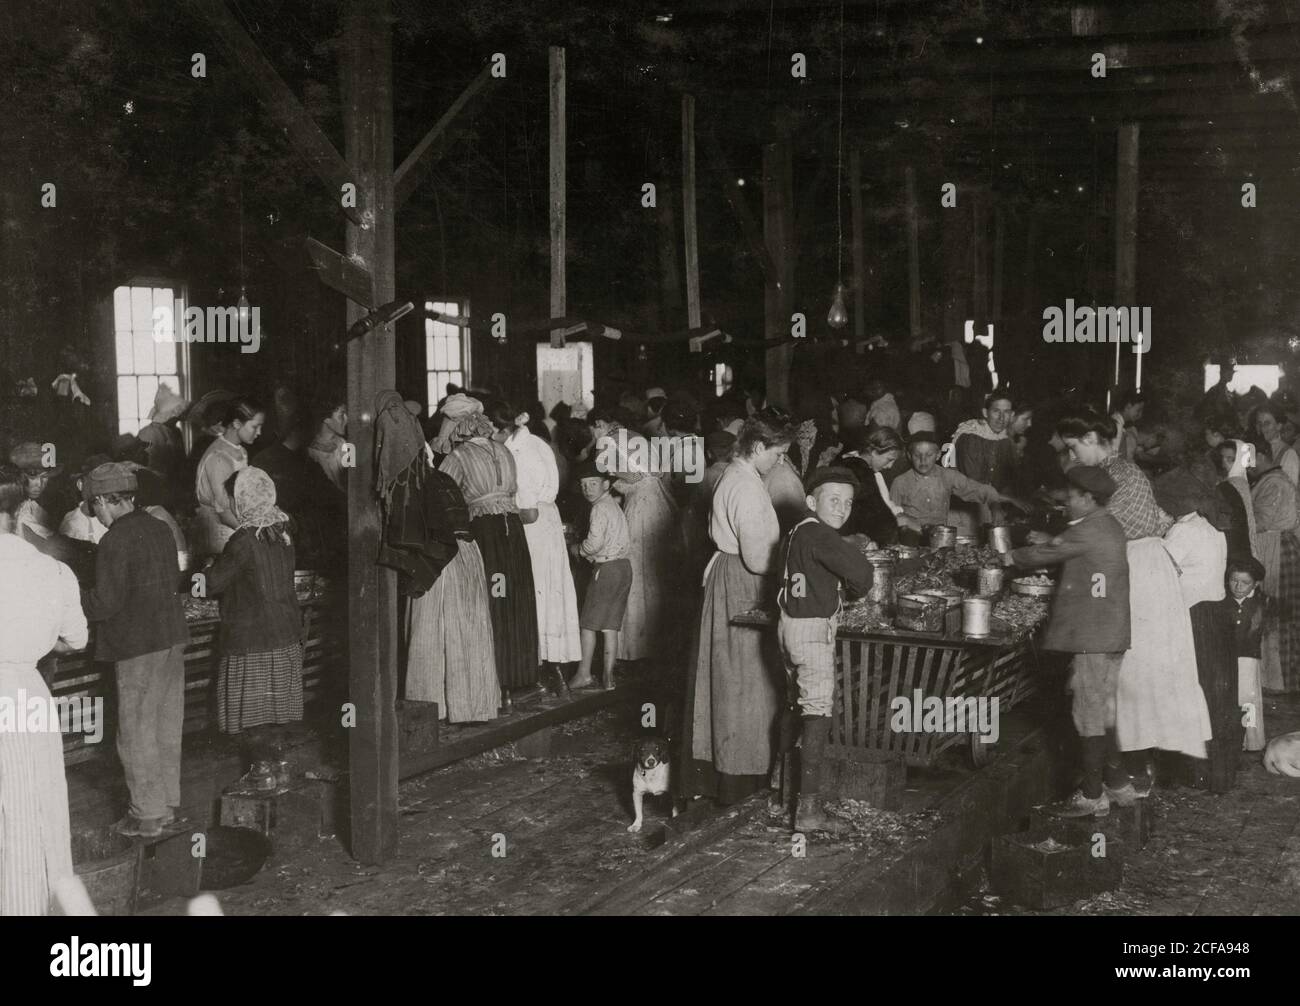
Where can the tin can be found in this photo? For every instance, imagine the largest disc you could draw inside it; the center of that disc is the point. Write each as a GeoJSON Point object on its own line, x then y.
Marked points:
{"type": "Point", "coordinates": [1000, 538]}
{"type": "Point", "coordinates": [943, 536]}
{"type": "Point", "coordinates": [882, 580]}
{"type": "Point", "coordinates": [920, 613]}
{"type": "Point", "coordinates": [989, 579]}
{"type": "Point", "coordinates": [976, 616]}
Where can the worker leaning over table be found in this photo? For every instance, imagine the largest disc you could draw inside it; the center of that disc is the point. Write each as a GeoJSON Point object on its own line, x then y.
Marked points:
{"type": "Point", "coordinates": [1090, 619]}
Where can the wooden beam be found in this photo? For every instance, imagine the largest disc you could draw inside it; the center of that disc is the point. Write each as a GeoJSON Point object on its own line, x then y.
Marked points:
{"type": "Point", "coordinates": [1126, 208]}
{"type": "Point", "coordinates": [778, 295]}
{"type": "Point", "coordinates": [688, 212]}
{"type": "Point", "coordinates": [913, 258]}
{"type": "Point", "coordinates": [416, 165]}
{"type": "Point", "coordinates": [859, 247]}
{"type": "Point", "coordinates": [999, 219]}
{"type": "Point", "coordinates": [559, 157]}
{"type": "Point", "coordinates": [372, 589]}
{"type": "Point", "coordinates": [256, 72]}
{"type": "Point", "coordinates": [342, 274]}
{"type": "Point", "coordinates": [735, 199]}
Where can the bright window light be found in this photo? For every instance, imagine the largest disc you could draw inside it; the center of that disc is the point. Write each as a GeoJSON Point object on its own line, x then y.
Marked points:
{"type": "Point", "coordinates": [1263, 376]}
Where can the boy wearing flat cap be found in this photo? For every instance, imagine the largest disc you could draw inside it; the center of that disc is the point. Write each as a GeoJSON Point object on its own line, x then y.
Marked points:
{"type": "Point", "coordinates": [142, 631]}
{"type": "Point", "coordinates": [1089, 619]}
{"type": "Point", "coordinates": [816, 561]}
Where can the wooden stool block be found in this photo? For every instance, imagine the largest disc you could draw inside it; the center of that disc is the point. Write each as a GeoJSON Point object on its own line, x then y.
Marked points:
{"type": "Point", "coordinates": [1036, 870]}
{"type": "Point", "coordinates": [109, 866]}
{"type": "Point", "coordinates": [537, 744]}
{"type": "Point", "coordinates": [876, 781]}
{"type": "Point", "coordinates": [302, 813]}
{"type": "Point", "coordinates": [1131, 825]}
{"type": "Point", "coordinates": [169, 867]}
{"type": "Point", "coordinates": [417, 725]}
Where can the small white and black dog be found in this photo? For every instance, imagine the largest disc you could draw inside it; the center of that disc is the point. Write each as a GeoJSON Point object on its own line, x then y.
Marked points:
{"type": "Point", "coordinates": [651, 773]}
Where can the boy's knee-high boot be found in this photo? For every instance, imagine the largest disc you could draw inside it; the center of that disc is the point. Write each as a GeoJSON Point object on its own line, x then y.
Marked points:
{"type": "Point", "coordinates": [810, 815]}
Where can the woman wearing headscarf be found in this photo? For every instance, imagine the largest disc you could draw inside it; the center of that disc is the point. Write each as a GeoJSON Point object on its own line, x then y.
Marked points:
{"type": "Point", "coordinates": [734, 689]}
{"type": "Point", "coordinates": [40, 612]}
{"type": "Point", "coordinates": [1159, 703]}
{"type": "Point", "coordinates": [1277, 547]}
{"type": "Point", "coordinates": [450, 656]}
{"type": "Point", "coordinates": [485, 472]}
{"type": "Point", "coordinates": [259, 678]}
{"type": "Point", "coordinates": [538, 482]}
{"type": "Point", "coordinates": [1234, 497]}
{"type": "Point", "coordinates": [869, 455]}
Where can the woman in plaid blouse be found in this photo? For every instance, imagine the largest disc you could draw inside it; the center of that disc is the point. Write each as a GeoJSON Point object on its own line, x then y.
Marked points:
{"type": "Point", "coordinates": [1160, 702]}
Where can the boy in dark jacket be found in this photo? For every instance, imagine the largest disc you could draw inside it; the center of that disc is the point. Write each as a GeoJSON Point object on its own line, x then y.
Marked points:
{"type": "Point", "coordinates": [1090, 619]}
{"type": "Point", "coordinates": [816, 561]}
{"type": "Point", "coordinates": [1248, 608]}
{"type": "Point", "coordinates": [142, 631]}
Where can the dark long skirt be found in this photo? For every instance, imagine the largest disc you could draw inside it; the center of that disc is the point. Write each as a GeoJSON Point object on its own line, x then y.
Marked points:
{"type": "Point", "coordinates": [1216, 666]}
{"type": "Point", "coordinates": [511, 602]}
{"type": "Point", "coordinates": [733, 690]}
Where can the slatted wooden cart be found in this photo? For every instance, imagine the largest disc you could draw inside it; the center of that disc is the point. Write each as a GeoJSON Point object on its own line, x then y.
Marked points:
{"type": "Point", "coordinates": [79, 675]}
{"type": "Point", "coordinates": [872, 668]}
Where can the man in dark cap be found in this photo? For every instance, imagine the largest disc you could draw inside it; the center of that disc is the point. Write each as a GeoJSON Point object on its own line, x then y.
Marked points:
{"type": "Point", "coordinates": [816, 561]}
{"type": "Point", "coordinates": [1089, 619]}
{"type": "Point", "coordinates": [142, 631]}
{"type": "Point", "coordinates": [37, 465]}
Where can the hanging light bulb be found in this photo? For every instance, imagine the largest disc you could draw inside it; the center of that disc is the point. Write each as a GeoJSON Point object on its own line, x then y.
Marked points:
{"type": "Point", "coordinates": [838, 316]}
{"type": "Point", "coordinates": [242, 304]}
{"type": "Point", "coordinates": [641, 353]}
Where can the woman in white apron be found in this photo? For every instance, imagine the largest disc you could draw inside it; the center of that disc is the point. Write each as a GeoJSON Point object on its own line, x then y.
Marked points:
{"type": "Point", "coordinates": [538, 483]}
{"type": "Point", "coordinates": [40, 610]}
{"type": "Point", "coordinates": [735, 683]}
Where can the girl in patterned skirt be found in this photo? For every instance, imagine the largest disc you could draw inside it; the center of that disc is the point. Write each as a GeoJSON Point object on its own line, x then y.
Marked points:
{"type": "Point", "coordinates": [259, 681]}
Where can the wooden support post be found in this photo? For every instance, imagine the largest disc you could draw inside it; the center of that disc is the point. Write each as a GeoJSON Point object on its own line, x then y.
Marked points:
{"type": "Point", "coordinates": [778, 300]}
{"type": "Point", "coordinates": [1030, 304]}
{"type": "Point", "coordinates": [979, 260]}
{"type": "Point", "coordinates": [859, 246]}
{"type": "Point", "coordinates": [999, 228]}
{"type": "Point", "coordinates": [913, 259]}
{"type": "Point", "coordinates": [688, 213]}
{"type": "Point", "coordinates": [372, 589]}
{"type": "Point", "coordinates": [1126, 193]}
{"type": "Point", "coordinates": [559, 154]}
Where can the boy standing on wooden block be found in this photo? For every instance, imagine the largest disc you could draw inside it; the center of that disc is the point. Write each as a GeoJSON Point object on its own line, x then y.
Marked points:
{"type": "Point", "coordinates": [816, 561]}
{"type": "Point", "coordinates": [140, 627]}
{"type": "Point", "coordinates": [1090, 619]}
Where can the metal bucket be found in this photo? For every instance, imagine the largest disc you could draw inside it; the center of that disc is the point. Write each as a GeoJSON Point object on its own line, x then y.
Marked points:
{"type": "Point", "coordinates": [943, 536]}
{"type": "Point", "coordinates": [989, 579]}
{"type": "Point", "coordinates": [977, 616]}
{"type": "Point", "coordinates": [1000, 537]}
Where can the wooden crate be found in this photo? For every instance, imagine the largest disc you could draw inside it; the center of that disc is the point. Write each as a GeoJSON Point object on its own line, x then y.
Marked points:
{"type": "Point", "coordinates": [872, 670]}
{"type": "Point", "coordinates": [77, 675]}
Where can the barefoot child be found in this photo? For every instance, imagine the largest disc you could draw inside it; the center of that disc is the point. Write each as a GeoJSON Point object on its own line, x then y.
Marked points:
{"type": "Point", "coordinates": [816, 561]}
{"type": "Point", "coordinates": [1248, 606]}
{"type": "Point", "coordinates": [606, 547]}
